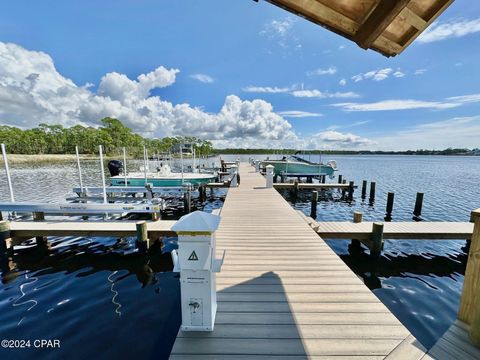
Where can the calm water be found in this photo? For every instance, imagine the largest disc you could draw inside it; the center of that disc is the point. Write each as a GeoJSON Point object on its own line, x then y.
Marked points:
{"type": "Point", "coordinates": [100, 297]}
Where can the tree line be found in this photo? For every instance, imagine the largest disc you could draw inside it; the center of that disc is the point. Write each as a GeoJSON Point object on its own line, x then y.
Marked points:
{"type": "Point", "coordinates": [113, 135]}
{"type": "Point", "coordinates": [449, 151]}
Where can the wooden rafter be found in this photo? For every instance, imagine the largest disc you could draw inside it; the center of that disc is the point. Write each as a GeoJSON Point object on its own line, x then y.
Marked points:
{"type": "Point", "coordinates": [386, 26]}
{"type": "Point", "coordinates": [379, 19]}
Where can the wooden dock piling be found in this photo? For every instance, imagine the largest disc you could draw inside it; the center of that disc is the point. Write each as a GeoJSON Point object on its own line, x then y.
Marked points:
{"type": "Point", "coordinates": [470, 300]}
{"type": "Point", "coordinates": [142, 236]}
{"type": "Point", "coordinates": [376, 240]}
{"type": "Point", "coordinates": [371, 200]}
{"type": "Point", "coordinates": [364, 189]}
{"type": "Point", "coordinates": [351, 186]}
{"type": "Point", "coordinates": [357, 218]}
{"type": "Point", "coordinates": [417, 211]}
{"type": "Point", "coordinates": [187, 201]}
{"type": "Point", "coordinates": [40, 216]}
{"type": "Point", "coordinates": [5, 240]}
{"type": "Point", "coordinates": [314, 203]}
{"type": "Point", "coordinates": [389, 208]}
{"type": "Point", "coordinates": [340, 179]}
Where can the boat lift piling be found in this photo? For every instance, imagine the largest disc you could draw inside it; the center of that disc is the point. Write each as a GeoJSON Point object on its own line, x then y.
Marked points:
{"type": "Point", "coordinates": [125, 166]}
{"type": "Point", "coordinates": [79, 167]}
{"type": "Point", "coordinates": [7, 170]}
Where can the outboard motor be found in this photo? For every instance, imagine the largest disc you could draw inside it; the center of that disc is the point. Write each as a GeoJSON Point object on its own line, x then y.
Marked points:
{"type": "Point", "coordinates": [115, 167]}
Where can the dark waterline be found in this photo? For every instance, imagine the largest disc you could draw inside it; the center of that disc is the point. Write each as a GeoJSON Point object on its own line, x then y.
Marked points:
{"type": "Point", "coordinates": [103, 299]}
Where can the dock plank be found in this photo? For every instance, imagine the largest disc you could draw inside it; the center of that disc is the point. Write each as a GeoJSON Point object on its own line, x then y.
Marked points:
{"type": "Point", "coordinates": [396, 230]}
{"type": "Point", "coordinates": [284, 293]}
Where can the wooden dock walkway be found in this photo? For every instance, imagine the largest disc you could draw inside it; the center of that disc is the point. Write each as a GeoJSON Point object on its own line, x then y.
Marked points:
{"type": "Point", "coordinates": [283, 293]}
{"type": "Point", "coordinates": [395, 230]}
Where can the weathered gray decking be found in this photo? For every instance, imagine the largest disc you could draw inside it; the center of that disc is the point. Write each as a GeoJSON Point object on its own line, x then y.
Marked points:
{"type": "Point", "coordinates": [283, 293]}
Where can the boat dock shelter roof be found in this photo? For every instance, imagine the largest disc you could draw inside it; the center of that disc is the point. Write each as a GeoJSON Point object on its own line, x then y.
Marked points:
{"type": "Point", "coordinates": [386, 26]}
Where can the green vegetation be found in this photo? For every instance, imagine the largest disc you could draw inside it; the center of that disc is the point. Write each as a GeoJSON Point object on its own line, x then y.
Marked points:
{"type": "Point", "coordinates": [113, 135]}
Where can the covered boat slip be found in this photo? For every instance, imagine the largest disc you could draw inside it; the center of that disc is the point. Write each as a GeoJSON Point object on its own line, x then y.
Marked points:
{"type": "Point", "coordinates": [284, 293]}
{"type": "Point", "coordinates": [386, 26]}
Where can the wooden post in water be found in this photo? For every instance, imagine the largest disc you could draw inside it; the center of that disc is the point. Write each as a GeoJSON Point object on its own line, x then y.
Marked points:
{"type": "Point", "coordinates": [340, 178]}
{"type": "Point", "coordinates": [389, 209]}
{"type": "Point", "coordinates": [417, 211]}
{"type": "Point", "coordinates": [40, 216]}
{"type": "Point", "coordinates": [372, 192]}
{"type": "Point", "coordinates": [202, 192]}
{"type": "Point", "coordinates": [314, 203]}
{"type": "Point", "coordinates": [344, 181]}
{"type": "Point", "coordinates": [364, 189]}
{"type": "Point", "coordinates": [5, 241]}
{"type": "Point", "coordinates": [469, 311]}
{"type": "Point", "coordinates": [187, 201]}
{"type": "Point", "coordinates": [323, 179]}
{"type": "Point", "coordinates": [357, 218]}
{"type": "Point", "coordinates": [295, 188]}
{"type": "Point", "coordinates": [350, 190]}
{"type": "Point", "coordinates": [142, 236]}
{"type": "Point", "coordinates": [376, 240]}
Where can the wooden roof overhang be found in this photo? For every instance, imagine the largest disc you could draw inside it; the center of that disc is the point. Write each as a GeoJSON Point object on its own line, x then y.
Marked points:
{"type": "Point", "coordinates": [386, 26]}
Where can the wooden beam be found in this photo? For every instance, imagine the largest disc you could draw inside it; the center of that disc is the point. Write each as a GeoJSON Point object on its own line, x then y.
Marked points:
{"type": "Point", "coordinates": [441, 9]}
{"type": "Point", "coordinates": [383, 15]}
{"type": "Point", "coordinates": [413, 19]}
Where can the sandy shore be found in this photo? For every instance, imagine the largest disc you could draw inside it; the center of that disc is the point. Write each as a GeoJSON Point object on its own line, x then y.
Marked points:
{"type": "Point", "coordinates": [47, 158]}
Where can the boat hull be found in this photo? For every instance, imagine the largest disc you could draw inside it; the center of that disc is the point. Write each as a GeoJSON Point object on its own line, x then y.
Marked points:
{"type": "Point", "coordinates": [162, 182]}
{"type": "Point", "coordinates": [293, 167]}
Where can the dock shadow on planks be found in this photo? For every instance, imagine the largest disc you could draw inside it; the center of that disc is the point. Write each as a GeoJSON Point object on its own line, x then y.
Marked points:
{"type": "Point", "coordinates": [241, 329]}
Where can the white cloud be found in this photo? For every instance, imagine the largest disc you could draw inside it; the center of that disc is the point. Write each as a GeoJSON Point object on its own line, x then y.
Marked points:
{"type": "Point", "coordinates": [298, 114]}
{"type": "Point", "coordinates": [343, 82]}
{"type": "Point", "coordinates": [420, 71]}
{"type": "Point", "coordinates": [452, 29]}
{"type": "Point", "coordinates": [280, 31]}
{"type": "Point", "coordinates": [267, 89]}
{"type": "Point", "coordinates": [388, 105]}
{"type": "Point", "coordinates": [314, 93]}
{"type": "Point", "coordinates": [330, 71]}
{"type": "Point", "coordinates": [334, 139]}
{"type": "Point", "coordinates": [398, 74]}
{"type": "Point", "coordinates": [376, 75]}
{"type": "Point", "coordinates": [396, 105]}
{"type": "Point", "coordinates": [32, 91]}
{"type": "Point", "coordinates": [206, 79]}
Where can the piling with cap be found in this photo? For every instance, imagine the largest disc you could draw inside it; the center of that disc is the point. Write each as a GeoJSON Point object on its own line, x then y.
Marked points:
{"type": "Point", "coordinates": [269, 175]}
{"type": "Point", "coordinates": [357, 218]}
{"type": "Point", "coordinates": [233, 171]}
{"type": "Point", "coordinates": [376, 240]}
{"type": "Point", "coordinates": [142, 236]}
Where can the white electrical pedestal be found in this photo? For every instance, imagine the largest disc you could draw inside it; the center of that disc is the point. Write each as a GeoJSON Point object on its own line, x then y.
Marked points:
{"type": "Point", "coordinates": [198, 265]}
{"type": "Point", "coordinates": [233, 175]}
{"type": "Point", "coordinates": [257, 165]}
{"type": "Point", "coordinates": [269, 175]}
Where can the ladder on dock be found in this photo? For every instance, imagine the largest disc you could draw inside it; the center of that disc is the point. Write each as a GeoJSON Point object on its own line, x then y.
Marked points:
{"type": "Point", "coordinates": [283, 293]}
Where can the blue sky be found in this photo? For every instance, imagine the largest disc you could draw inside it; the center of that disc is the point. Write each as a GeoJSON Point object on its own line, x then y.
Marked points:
{"type": "Point", "coordinates": [239, 73]}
